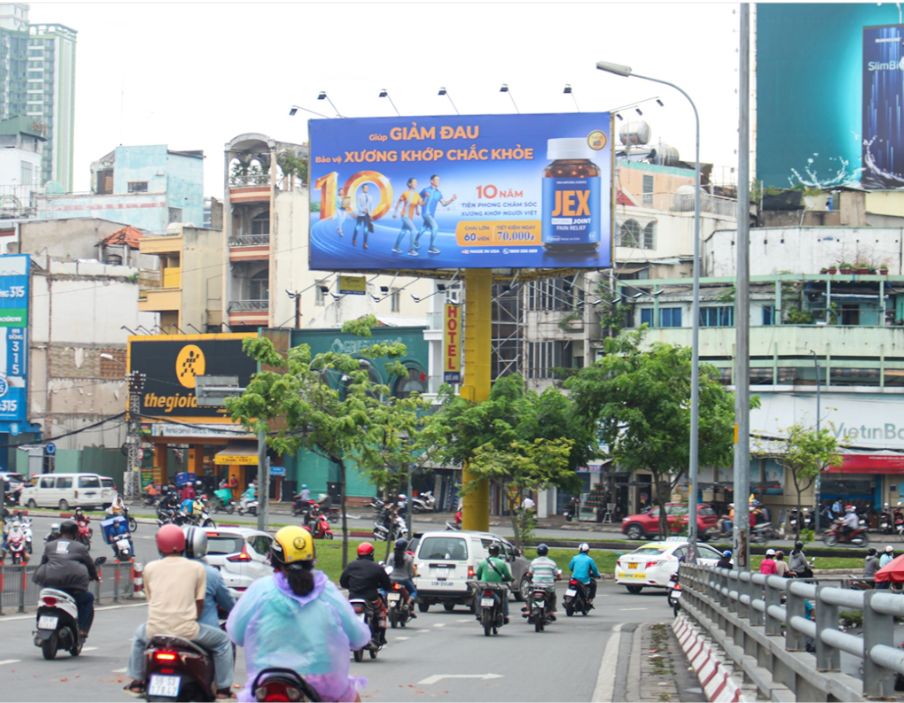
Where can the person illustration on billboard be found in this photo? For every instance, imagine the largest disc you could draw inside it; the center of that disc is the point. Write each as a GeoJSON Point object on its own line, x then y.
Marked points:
{"type": "Point", "coordinates": [343, 203]}
{"type": "Point", "coordinates": [410, 205]}
{"type": "Point", "coordinates": [364, 206]}
{"type": "Point", "coordinates": [431, 197]}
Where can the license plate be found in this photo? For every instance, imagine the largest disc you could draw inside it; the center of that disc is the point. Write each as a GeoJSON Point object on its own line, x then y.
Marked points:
{"type": "Point", "coordinates": [167, 686]}
{"type": "Point", "coordinates": [441, 582]}
{"type": "Point", "coordinates": [47, 622]}
{"type": "Point", "coordinates": [486, 602]}
{"type": "Point", "coordinates": [394, 597]}
{"type": "Point", "coordinates": [570, 593]}
{"type": "Point", "coordinates": [676, 594]}
{"type": "Point", "coordinates": [632, 566]}
{"type": "Point", "coordinates": [539, 603]}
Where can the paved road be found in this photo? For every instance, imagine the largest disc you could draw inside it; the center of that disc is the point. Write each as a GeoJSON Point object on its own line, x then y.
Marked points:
{"type": "Point", "coordinates": [576, 659]}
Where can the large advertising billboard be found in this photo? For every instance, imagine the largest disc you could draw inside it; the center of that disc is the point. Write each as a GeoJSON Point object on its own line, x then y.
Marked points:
{"type": "Point", "coordinates": [171, 364]}
{"type": "Point", "coordinates": [829, 89]}
{"type": "Point", "coordinates": [461, 191]}
{"type": "Point", "coordinates": [14, 279]}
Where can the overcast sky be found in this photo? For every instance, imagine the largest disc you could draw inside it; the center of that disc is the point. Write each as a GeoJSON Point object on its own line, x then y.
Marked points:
{"type": "Point", "coordinates": [193, 75]}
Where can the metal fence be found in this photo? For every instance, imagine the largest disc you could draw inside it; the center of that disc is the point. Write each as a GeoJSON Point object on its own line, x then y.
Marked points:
{"type": "Point", "coordinates": [18, 591]}
{"type": "Point", "coordinates": [788, 631]}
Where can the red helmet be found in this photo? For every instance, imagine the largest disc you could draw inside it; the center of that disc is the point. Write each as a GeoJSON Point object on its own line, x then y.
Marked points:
{"type": "Point", "coordinates": [170, 540]}
{"type": "Point", "coordinates": [365, 549]}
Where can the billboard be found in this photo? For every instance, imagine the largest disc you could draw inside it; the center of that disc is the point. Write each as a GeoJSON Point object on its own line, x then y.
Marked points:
{"type": "Point", "coordinates": [828, 99]}
{"type": "Point", "coordinates": [171, 364]}
{"type": "Point", "coordinates": [461, 191]}
{"type": "Point", "coordinates": [14, 280]}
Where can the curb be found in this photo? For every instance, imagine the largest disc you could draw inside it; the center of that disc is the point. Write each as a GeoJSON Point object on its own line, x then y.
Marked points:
{"type": "Point", "coordinates": [714, 677]}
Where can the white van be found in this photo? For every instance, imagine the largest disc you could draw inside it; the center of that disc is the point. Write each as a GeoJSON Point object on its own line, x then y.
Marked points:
{"type": "Point", "coordinates": [67, 490]}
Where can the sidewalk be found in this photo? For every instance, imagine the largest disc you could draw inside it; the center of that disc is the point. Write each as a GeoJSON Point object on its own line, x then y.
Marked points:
{"type": "Point", "coordinates": [658, 670]}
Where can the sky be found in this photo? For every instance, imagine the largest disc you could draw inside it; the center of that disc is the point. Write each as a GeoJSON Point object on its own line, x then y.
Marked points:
{"type": "Point", "coordinates": [193, 75]}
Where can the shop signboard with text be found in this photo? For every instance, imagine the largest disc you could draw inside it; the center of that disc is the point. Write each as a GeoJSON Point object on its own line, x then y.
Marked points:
{"type": "Point", "coordinates": [452, 344]}
{"type": "Point", "coordinates": [14, 279]}
{"type": "Point", "coordinates": [461, 191]}
{"type": "Point", "coordinates": [171, 365]}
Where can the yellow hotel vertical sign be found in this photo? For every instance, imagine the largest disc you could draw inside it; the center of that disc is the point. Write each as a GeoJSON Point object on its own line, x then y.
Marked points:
{"type": "Point", "coordinates": [452, 344]}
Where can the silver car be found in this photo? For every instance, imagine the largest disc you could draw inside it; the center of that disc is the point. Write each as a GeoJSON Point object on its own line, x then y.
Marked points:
{"type": "Point", "coordinates": [240, 554]}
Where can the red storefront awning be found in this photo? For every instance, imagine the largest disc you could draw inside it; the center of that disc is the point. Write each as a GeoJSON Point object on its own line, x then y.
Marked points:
{"type": "Point", "coordinates": [869, 464]}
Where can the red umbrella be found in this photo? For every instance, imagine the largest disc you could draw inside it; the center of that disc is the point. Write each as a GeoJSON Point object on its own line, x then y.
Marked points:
{"type": "Point", "coordinates": [893, 571]}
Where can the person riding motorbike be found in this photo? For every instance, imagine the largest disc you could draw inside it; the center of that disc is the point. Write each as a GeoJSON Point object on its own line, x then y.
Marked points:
{"type": "Point", "coordinates": [798, 563]}
{"type": "Point", "coordinates": [289, 620]}
{"type": "Point", "coordinates": [54, 532]}
{"type": "Point", "coordinates": [404, 571]}
{"type": "Point", "coordinates": [117, 507]}
{"type": "Point", "coordinates": [725, 561]}
{"type": "Point", "coordinates": [176, 590]}
{"type": "Point", "coordinates": [584, 569]}
{"type": "Point", "coordinates": [543, 573]}
{"type": "Point", "coordinates": [217, 599]}
{"type": "Point", "coordinates": [365, 579]}
{"type": "Point", "coordinates": [870, 563]}
{"type": "Point", "coordinates": [67, 566]}
{"type": "Point", "coordinates": [850, 521]}
{"type": "Point", "coordinates": [493, 569]}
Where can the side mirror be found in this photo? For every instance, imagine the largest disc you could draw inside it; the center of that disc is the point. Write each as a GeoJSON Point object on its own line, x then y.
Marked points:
{"type": "Point", "coordinates": [100, 561]}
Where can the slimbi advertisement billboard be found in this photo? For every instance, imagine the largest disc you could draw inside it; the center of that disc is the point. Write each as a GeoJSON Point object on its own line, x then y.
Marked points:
{"type": "Point", "coordinates": [461, 191]}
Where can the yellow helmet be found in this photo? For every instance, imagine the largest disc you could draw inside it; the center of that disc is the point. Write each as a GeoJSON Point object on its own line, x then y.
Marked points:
{"type": "Point", "coordinates": [292, 544]}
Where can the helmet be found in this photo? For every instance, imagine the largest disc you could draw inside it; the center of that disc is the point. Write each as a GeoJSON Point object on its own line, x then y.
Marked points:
{"type": "Point", "coordinates": [770, 552]}
{"type": "Point", "coordinates": [871, 552]}
{"type": "Point", "coordinates": [850, 509]}
{"type": "Point", "coordinates": [493, 549]}
{"type": "Point", "coordinates": [304, 485]}
{"type": "Point", "coordinates": [170, 540]}
{"type": "Point", "coordinates": [195, 542]}
{"type": "Point", "coordinates": [293, 544]}
{"type": "Point", "coordinates": [798, 545]}
{"type": "Point", "coordinates": [727, 554]}
{"type": "Point", "coordinates": [402, 496]}
{"type": "Point", "coordinates": [198, 483]}
{"type": "Point", "coordinates": [55, 528]}
{"type": "Point", "coordinates": [365, 549]}
{"type": "Point", "coordinates": [584, 547]}
{"type": "Point", "coordinates": [889, 549]}
{"type": "Point", "coordinates": [542, 550]}
{"type": "Point", "coordinates": [401, 543]}
{"type": "Point", "coordinates": [69, 528]}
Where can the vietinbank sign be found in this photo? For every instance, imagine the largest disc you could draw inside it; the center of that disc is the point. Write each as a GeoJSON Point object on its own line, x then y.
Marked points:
{"type": "Point", "coordinates": [461, 191]}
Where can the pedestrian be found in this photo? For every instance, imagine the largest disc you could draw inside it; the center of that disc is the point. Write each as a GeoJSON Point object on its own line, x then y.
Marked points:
{"type": "Point", "coordinates": [768, 564]}
{"type": "Point", "coordinates": [887, 557]}
{"type": "Point", "coordinates": [837, 508]}
{"type": "Point", "coordinates": [871, 563]}
{"type": "Point", "coordinates": [781, 566]}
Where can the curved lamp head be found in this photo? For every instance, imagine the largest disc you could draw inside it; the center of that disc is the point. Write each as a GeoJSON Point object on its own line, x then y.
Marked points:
{"type": "Point", "coordinates": [616, 68]}
{"type": "Point", "coordinates": [442, 91]}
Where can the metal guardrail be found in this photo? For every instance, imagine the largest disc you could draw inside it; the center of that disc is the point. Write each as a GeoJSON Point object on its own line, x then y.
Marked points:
{"type": "Point", "coordinates": [792, 629]}
{"type": "Point", "coordinates": [18, 590]}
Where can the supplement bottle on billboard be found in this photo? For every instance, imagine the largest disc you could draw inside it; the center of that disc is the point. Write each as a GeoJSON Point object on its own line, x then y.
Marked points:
{"type": "Point", "coordinates": [571, 196]}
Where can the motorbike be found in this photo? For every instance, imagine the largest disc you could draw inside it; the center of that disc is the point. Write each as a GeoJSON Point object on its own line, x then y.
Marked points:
{"type": "Point", "coordinates": [56, 626]}
{"type": "Point", "coordinates": [673, 595]}
{"type": "Point", "coordinates": [898, 521]}
{"type": "Point", "coordinates": [365, 613]}
{"type": "Point", "coordinates": [16, 544]}
{"type": "Point", "coordinates": [222, 501]}
{"type": "Point", "coordinates": [886, 525]}
{"type": "Point", "coordinates": [116, 533]}
{"type": "Point", "coordinates": [85, 532]}
{"type": "Point", "coordinates": [763, 532]}
{"type": "Point", "coordinates": [247, 506]}
{"type": "Point", "coordinates": [491, 615]}
{"type": "Point", "coordinates": [167, 516]}
{"type": "Point", "coordinates": [835, 535]}
{"type": "Point", "coordinates": [177, 669]}
{"type": "Point", "coordinates": [538, 608]}
{"type": "Point", "coordinates": [807, 519]}
{"type": "Point", "coordinates": [399, 605]}
{"type": "Point", "coordinates": [423, 503]}
{"type": "Point", "coordinates": [389, 529]}
{"type": "Point", "coordinates": [319, 526]}
{"type": "Point", "coordinates": [277, 684]}
{"type": "Point", "coordinates": [200, 517]}
{"type": "Point", "coordinates": [575, 598]}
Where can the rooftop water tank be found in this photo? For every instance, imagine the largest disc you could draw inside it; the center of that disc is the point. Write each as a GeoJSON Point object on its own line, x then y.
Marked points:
{"type": "Point", "coordinates": [634, 133]}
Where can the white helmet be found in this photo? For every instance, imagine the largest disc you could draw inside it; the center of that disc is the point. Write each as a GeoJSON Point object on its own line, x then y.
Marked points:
{"type": "Point", "coordinates": [195, 542]}
{"type": "Point", "coordinates": [584, 547]}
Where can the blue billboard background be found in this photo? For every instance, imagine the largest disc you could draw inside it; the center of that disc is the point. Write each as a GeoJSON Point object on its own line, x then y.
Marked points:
{"type": "Point", "coordinates": [811, 64]}
{"type": "Point", "coordinates": [496, 202]}
{"type": "Point", "coordinates": [14, 282]}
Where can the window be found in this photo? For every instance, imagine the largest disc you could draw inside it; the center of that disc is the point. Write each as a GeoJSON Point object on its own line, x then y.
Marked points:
{"type": "Point", "coordinates": [88, 482]}
{"type": "Point", "coordinates": [395, 300]}
{"type": "Point", "coordinates": [646, 317]}
{"type": "Point", "coordinates": [629, 234]}
{"type": "Point", "coordinates": [260, 285]}
{"type": "Point", "coordinates": [46, 482]}
{"type": "Point", "coordinates": [320, 293]}
{"type": "Point", "coordinates": [443, 548]}
{"type": "Point", "coordinates": [260, 223]}
{"type": "Point", "coordinates": [138, 186]}
{"type": "Point", "coordinates": [26, 173]}
{"type": "Point", "coordinates": [64, 482]}
{"type": "Point", "coordinates": [670, 317]}
{"type": "Point", "coordinates": [543, 358]}
{"type": "Point", "coordinates": [768, 314]}
{"type": "Point", "coordinates": [260, 544]}
{"type": "Point", "coordinates": [649, 235]}
{"type": "Point", "coordinates": [224, 544]}
{"type": "Point", "coordinates": [553, 294]}
{"type": "Point", "coordinates": [717, 316]}
{"type": "Point", "coordinates": [648, 191]}
{"type": "Point", "coordinates": [850, 314]}
{"type": "Point", "coordinates": [175, 214]}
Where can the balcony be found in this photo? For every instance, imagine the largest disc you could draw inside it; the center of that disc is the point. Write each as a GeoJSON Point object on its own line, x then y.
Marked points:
{"type": "Point", "coordinates": [249, 312]}
{"type": "Point", "coordinates": [249, 247]}
{"type": "Point", "coordinates": [160, 300]}
{"type": "Point", "coordinates": [249, 193]}
{"type": "Point", "coordinates": [249, 305]}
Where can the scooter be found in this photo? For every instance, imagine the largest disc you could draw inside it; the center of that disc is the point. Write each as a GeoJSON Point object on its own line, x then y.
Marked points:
{"type": "Point", "coordinates": [116, 533]}
{"type": "Point", "coordinates": [56, 626]}
{"type": "Point", "coordinates": [222, 501]}
{"type": "Point", "coordinates": [491, 615]}
{"type": "Point", "coordinates": [320, 526]}
{"type": "Point", "coordinates": [575, 598]}
{"type": "Point", "coordinates": [247, 506]}
{"type": "Point", "coordinates": [886, 526]}
{"type": "Point", "coordinates": [673, 596]}
{"type": "Point", "coordinates": [281, 685]}
{"type": "Point", "coordinates": [763, 532]}
{"type": "Point", "coordinates": [856, 538]}
{"type": "Point", "coordinates": [384, 530]}
{"type": "Point", "coordinates": [538, 608]}
{"type": "Point", "coordinates": [399, 605]}
{"type": "Point", "coordinates": [84, 529]}
{"type": "Point", "coordinates": [365, 613]}
{"type": "Point", "coordinates": [424, 503]}
{"type": "Point", "coordinates": [17, 545]}
{"type": "Point", "coordinates": [177, 669]}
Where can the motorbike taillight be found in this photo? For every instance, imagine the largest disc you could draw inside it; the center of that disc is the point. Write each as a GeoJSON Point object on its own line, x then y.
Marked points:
{"type": "Point", "coordinates": [488, 594]}
{"type": "Point", "coordinates": [358, 608]}
{"type": "Point", "coordinates": [49, 601]}
{"type": "Point", "coordinates": [573, 582]}
{"type": "Point", "coordinates": [277, 691]}
{"type": "Point", "coordinates": [165, 656]}
{"type": "Point", "coordinates": [396, 587]}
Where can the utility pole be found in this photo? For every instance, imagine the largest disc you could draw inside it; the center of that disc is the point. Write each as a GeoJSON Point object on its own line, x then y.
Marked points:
{"type": "Point", "coordinates": [741, 527]}
{"type": "Point", "coordinates": [132, 480]}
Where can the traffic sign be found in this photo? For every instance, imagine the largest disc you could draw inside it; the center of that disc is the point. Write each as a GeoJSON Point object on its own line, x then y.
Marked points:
{"type": "Point", "coordinates": [49, 449]}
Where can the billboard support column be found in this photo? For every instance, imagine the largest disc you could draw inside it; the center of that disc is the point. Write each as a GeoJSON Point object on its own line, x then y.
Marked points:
{"type": "Point", "coordinates": [476, 380]}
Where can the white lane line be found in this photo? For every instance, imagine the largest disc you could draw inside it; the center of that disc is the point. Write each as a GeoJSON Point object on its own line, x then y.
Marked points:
{"type": "Point", "coordinates": [121, 671]}
{"type": "Point", "coordinates": [9, 661]}
{"type": "Point", "coordinates": [401, 639]}
{"type": "Point", "coordinates": [89, 649]}
{"type": "Point", "coordinates": [626, 610]}
{"type": "Point", "coordinates": [605, 679]}
{"type": "Point", "coordinates": [464, 620]}
{"type": "Point", "coordinates": [439, 624]}
{"type": "Point", "coordinates": [13, 618]}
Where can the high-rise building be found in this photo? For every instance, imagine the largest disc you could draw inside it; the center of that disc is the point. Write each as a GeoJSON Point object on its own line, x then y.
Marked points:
{"type": "Point", "coordinates": [37, 80]}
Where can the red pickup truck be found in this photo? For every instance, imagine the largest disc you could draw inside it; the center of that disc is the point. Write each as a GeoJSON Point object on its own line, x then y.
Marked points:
{"type": "Point", "coordinates": [646, 525]}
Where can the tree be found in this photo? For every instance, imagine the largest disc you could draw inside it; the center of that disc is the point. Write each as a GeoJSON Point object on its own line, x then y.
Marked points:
{"type": "Point", "coordinates": [329, 405]}
{"type": "Point", "coordinates": [637, 402]}
{"type": "Point", "coordinates": [520, 439]}
{"type": "Point", "coordinates": [805, 454]}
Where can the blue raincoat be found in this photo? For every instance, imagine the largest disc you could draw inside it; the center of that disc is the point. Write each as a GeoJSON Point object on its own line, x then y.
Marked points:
{"type": "Point", "coordinates": [310, 634]}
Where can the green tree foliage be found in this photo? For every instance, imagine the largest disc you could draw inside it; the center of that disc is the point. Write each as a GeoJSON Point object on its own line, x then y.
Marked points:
{"type": "Point", "coordinates": [328, 404]}
{"type": "Point", "coordinates": [520, 439]}
{"type": "Point", "coordinates": [637, 402]}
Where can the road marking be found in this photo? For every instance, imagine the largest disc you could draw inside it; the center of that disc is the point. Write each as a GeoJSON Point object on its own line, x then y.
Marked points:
{"type": "Point", "coordinates": [121, 671]}
{"type": "Point", "coordinates": [13, 618]}
{"type": "Point", "coordinates": [89, 649]}
{"type": "Point", "coordinates": [401, 639]}
{"type": "Point", "coordinates": [464, 620]}
{"type": "Point", "coordinates": [9, 661]}
{"type": "Point", "coordinates": [605, 679]}
{"type": "Point", "coordinates": [439, 624]}
{"type": "Point", "coordinates": [436, 678]}
{"type": "Point", "coordinates": [625, 610]}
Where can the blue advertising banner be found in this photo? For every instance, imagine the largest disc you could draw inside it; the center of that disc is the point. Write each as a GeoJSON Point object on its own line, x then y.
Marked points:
{"type": "Point", "coordinates": [461, 191]}
{"type": "Point", "coordinates": [14, 278]}
{"type": "Point", "coordinates": [883, 100]}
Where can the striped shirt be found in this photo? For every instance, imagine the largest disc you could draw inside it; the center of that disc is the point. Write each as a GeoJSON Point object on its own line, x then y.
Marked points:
{"type": "Point", "coordinates": [543, 571]}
